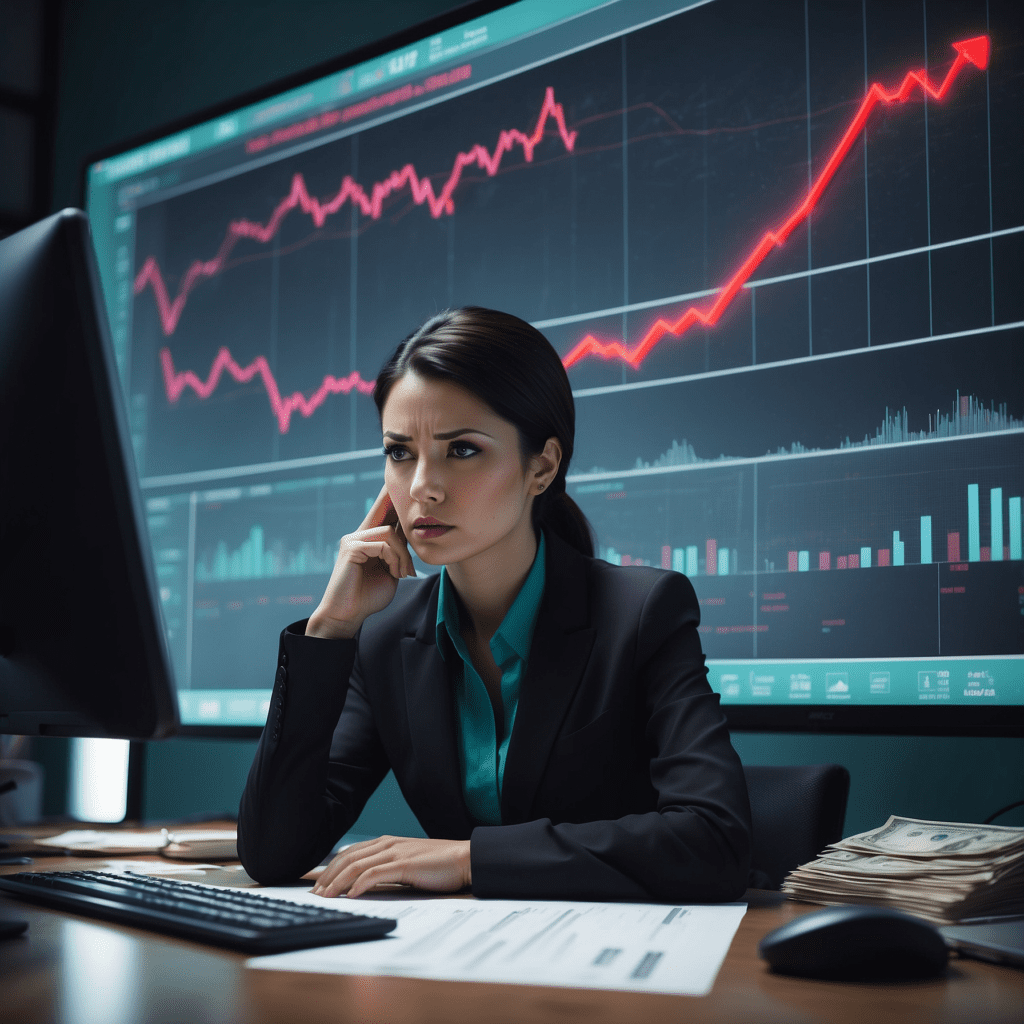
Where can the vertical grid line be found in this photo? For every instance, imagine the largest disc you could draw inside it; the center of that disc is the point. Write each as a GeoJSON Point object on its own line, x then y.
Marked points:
{"type": "Point", "coordinates": [867, 212]}
{"type": "Point", "coordinates": [353, 311]}
{"type": "Point", "coordinates": [753, 326]}
{"type": "Point", "coordinates": [190, 587]}
{"type": "Point", "coordinates": [755, 566]}
{"type": "Point", "coordinates": [330, 356]}
{"type": "Point", "coordinates": [275, 288]}
{"type": "Point", "coordinates": [625, 197]}
{"type": "Point", "coordinates": [573, 214]}
{"type": "Point", "coordinates": [988, 128]}
{"type": "Point", "coordinates": [927, 168]}
{"type": "Point", "coordinates": [321, 498]}
{"type": "Point", "coordinates": [704, 115]}
{"type": "Point", "coordinates": [810, 174]}
{"type": "Point", "coordinates": [125, 317]}
{"type": "Point", "coordinates": [451, 262]}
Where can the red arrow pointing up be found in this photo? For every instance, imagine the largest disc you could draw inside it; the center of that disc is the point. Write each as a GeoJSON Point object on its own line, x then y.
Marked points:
{"type": "Point", "coordinates": [969, 51]}
{"type": "Point", "coordinates": [975, 50]}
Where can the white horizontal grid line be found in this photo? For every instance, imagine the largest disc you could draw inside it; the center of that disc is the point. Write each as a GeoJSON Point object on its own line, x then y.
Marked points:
{"type": "Point", "coordinates": [230, 472]}
{"type": "Point", "coordinates": [633, 307]}
{"type": "Point", "coordinates": [861, 350]}
{"type": "Point", "coordinates": [255, 469]}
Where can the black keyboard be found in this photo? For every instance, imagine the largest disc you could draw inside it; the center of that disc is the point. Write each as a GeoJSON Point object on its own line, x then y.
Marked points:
{"type": "Point", "coordinates": [237, 918]}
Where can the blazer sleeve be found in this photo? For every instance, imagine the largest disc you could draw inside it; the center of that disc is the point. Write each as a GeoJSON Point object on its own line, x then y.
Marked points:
{"type": "Point", "coordinates": [694, 846]}
{"type": "Point", "coordinates": [318, 761]}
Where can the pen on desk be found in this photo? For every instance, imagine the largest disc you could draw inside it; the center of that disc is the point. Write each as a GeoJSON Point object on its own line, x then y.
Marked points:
{"type": "Point", "coordinates": [15, 860]}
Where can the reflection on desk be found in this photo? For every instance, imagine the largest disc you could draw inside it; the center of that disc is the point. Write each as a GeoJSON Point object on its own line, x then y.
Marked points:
{"type": "Point", "coordinates": [72, 969]}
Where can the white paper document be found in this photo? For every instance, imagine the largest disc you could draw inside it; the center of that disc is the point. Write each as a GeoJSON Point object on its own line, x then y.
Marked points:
{"type": "Point", "coordinates": [639, 947]}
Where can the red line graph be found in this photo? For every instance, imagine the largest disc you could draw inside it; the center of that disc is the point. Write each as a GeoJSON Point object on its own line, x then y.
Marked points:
{"type": "Point", "coordinates": [421, 189]}
{"type": "Point", "coordinates": [969, 51]}
{"type": "Point", "coordinates": [175, 383]}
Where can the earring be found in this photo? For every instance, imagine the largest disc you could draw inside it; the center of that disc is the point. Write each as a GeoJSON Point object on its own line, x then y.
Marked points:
{"type": "Point", "coordinates": [541, 487]}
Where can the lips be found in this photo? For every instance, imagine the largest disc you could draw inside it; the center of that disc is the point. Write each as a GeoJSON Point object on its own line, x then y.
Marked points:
{"type": "Point", "coordinates": [427, 527]}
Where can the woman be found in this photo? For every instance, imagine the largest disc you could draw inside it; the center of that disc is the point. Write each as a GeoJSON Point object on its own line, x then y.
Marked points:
{"type": "Point", "coordinates": [547, 715]}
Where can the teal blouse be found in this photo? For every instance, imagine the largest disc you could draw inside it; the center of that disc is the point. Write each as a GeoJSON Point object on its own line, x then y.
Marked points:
{"type": "Point", "coordinates": [481, 751]}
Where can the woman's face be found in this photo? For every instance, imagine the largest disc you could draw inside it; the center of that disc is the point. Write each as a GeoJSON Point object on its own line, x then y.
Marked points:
{"type": "Point", "coordinates": [455, 472]}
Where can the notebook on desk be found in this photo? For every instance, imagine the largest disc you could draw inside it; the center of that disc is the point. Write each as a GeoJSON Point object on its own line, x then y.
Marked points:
{"type": "Point", "coordinates": [207, 844]}
{"type": "Point", "coordinates": [998, 940]}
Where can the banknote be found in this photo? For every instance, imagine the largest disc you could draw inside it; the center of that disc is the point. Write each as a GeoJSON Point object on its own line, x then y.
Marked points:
{"type": "Point", "coordinates": [858, 862]}
{"type": "Point", "coordinates": [881, 866]}
{"type": "Point", "coordinates": [943, 871]}
{"type": "Point", "coordinates": [913, 837]}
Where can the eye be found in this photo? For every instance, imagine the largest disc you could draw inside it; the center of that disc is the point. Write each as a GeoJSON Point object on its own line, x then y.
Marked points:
{"type": "Point", "coordinates": [462, 449]}
{"type": "Point", "coordinates": [396, 452]}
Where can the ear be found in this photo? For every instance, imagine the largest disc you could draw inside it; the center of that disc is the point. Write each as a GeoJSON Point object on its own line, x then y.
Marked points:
{"type": "Point", "coordinates": [544, 465]}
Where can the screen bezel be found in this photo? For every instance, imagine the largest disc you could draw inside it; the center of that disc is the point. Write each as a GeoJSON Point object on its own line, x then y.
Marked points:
{"type": "Point", "coordinates": [880, 719]}
{"type": "Point", "coordinates": [53, 667]}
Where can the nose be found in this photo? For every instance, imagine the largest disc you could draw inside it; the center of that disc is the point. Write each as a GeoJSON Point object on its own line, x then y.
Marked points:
{"type": "Point", "coordinates": [427, 486]}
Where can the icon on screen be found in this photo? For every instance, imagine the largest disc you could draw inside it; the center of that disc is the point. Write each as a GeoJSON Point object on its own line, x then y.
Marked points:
{"type": "Point", "coordinates": [761, 685]}
{"type": "Point", "coordinates": [878, 682]}
{"type": "Point", "coordinates": [799, 686]}
{"type": "Point", "coordinates": [241, 710]}
{"type": "Point", "coordinates": [209, 709]}
{"type": "Point", "coordinates": [730, 684]}
{"type": "Point", "coordinates": [837, 685]}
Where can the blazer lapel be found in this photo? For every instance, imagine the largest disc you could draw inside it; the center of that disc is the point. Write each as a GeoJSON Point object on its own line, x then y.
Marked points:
{"type": "Point", "coordinates": [559, 653]}
{"type": "Point", "coordinates": [431, 713]}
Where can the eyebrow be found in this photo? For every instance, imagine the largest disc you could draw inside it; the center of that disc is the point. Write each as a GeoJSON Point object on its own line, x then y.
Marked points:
{"type": "Point", "coordinates": [445, 436]}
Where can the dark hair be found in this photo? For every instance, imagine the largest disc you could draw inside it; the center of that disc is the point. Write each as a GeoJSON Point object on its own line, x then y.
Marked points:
{"type": "Point", "coordinates": [513, 368]}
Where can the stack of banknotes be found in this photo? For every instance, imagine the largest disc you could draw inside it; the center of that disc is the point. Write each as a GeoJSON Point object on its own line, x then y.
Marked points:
{"type": "Point", "coordinates": [940, 870]}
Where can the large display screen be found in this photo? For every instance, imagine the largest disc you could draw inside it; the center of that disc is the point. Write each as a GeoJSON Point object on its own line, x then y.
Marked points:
{"type": "Point", "coordinates": [780, 248]}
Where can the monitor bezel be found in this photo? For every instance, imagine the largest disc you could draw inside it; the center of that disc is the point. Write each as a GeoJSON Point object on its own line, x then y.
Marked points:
{"type": "Point", "coordinates": [405, 37]}
{"type": "Point", "coordinates": [58, 250]}
{"type": "Point", "coordinates": [899, 719]}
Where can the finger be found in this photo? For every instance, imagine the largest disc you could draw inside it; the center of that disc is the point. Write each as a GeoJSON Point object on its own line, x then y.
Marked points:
{"type": "Point", "coordinates": [391, 558]}
{"type": "Point", "coordinates": [382, 511]}
{"type": "Point", "coordinates": [344, 882]}
{"type": "Point", "coordinates": [402, 546]}
{"type": "Point", "coordinates": [366, 551]}
{"type": "Point", "coordinates": [352, 870]}
{"type": "Point", "coordinates": [395, 539]}
{"type": "Point", "coordinates": [379, 874]}
{"type": "Point", "coordinates": [345, 858]}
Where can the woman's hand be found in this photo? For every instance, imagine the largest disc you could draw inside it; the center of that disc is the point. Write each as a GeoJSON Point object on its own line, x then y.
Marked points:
{"type": "Point", "coordinates": [370, 563]}
{"type": "Point", "coordinates": [440, 865]}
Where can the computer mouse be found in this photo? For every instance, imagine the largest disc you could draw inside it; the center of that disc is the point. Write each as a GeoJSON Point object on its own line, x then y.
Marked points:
{"type": "Point", "coordinates": [10, 928]}
{"type": "Point", "coordinates": [856, 943]}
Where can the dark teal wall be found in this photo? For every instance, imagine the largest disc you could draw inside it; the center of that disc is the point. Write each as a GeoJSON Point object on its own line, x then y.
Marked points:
{"type": "Point", "coordinates": [923, 777]}
{"type": "Point", "coordinates": [129, 67]}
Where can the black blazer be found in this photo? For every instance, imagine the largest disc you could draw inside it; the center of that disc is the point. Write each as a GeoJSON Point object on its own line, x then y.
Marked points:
{"type": "Point", "coordinates": [620, 780]}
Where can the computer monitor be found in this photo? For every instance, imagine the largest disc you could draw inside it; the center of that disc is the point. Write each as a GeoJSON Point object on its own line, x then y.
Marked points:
{"type": "Point", "coordinates": [778, 246]}
{"type": "Point", "coordinates": [82, 640]}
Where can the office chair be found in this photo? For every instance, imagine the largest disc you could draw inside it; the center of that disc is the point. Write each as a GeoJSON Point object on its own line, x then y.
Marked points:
{"type": "Point", "coordinates": [796, 811]}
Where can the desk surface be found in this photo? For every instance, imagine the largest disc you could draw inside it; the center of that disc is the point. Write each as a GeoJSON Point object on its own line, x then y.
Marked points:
{"type": "Point", "coordinates": [76, 969]}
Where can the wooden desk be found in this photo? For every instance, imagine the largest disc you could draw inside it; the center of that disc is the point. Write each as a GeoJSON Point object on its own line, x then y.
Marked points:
{"type": "Point", "coordinates": [76, 969]}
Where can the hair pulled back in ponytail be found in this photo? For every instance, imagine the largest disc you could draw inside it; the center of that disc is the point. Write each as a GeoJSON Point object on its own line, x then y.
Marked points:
{"type": "Point", "coordinates": [510, 366]}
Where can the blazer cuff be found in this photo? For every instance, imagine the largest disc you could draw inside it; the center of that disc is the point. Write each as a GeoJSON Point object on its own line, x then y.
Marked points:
{"type": "Point", "coordinates": [312, 679]}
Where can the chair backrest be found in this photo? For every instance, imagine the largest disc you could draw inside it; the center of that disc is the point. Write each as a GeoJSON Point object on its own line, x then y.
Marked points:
{"type": "Point", "coordinates": [796, 811]}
